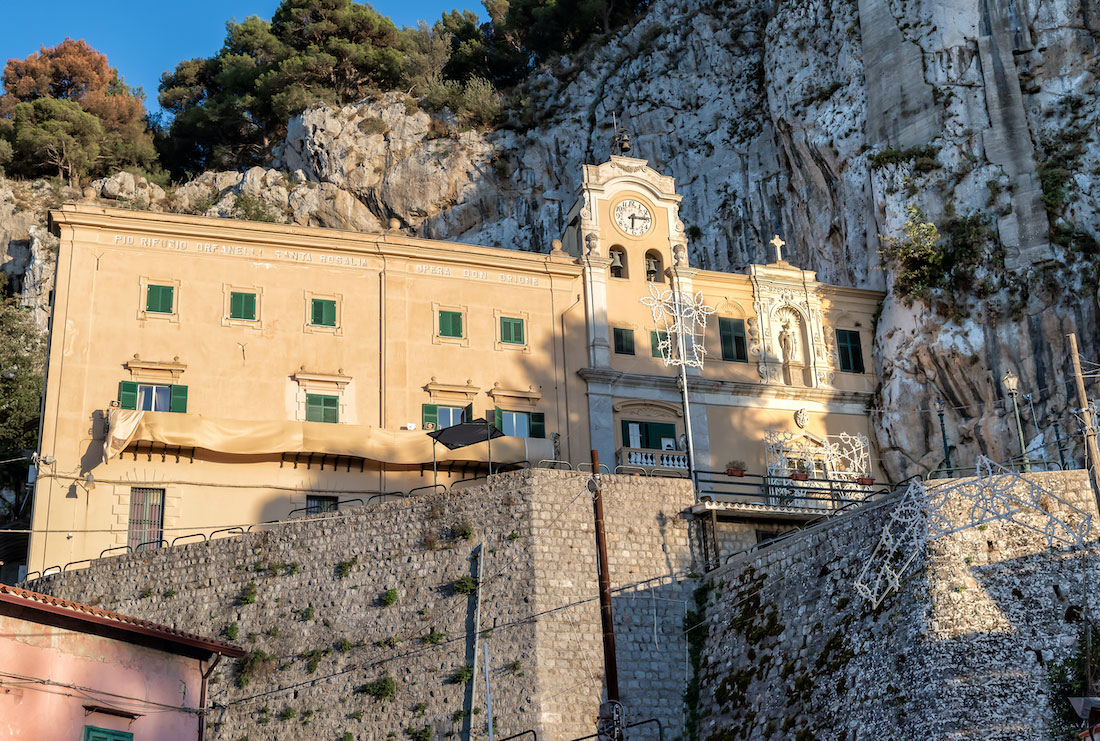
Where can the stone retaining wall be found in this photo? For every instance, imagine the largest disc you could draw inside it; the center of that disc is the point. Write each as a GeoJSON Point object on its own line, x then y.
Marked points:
{"type": "Point", "coordinates": [310, 595]}
{"type": "Point", "coordinates": [961, 652]}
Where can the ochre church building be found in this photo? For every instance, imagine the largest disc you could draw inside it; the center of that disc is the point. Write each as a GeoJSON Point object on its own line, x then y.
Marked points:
{"type": "Point", "coordinates": [207, 374]}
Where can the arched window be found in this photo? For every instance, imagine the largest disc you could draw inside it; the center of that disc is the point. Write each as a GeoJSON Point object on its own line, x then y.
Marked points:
{"type": "Point", "coordinates": [654, 269]}
{"type": "Point", "coordinates": [618, 262]}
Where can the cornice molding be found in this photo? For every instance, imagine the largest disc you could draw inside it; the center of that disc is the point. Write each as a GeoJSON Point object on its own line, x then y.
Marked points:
{"type": "Point", "coordinates": [320, 379]}
{"type": "Point", "coordinates": [437, 390]}
{"type": "Point", "coordinates": [155, 368]}
{"type": "Point", "coordinates": [530, 396]}
{"type": "Point", "coordinates": [730, 388]}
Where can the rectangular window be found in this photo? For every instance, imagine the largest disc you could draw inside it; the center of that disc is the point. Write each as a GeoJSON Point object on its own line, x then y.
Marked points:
{"type": "Point", "coordinates": [152, 397]}
{"type": "Point", "coordinates": [323, 313]}
{"type": "Point", "coordinates": [317, 505]}
{"type": "Point", "coordinates": [511, 330]}
{"type": "Point", "coordinates": [732, 334]}
{"type": "Point", "coordinates": [146, 518]}
{"type": "Point", "coordinates": [851, 354]}
{"type": "Point", "coordinates": [158, 299]}
{"type": "Point", "coordinates": [624, 341]}
{"type": "Point", "coordinates": [436, 417]}
{"type": "Point", "coordinates": [242, 306]}
{"type": "Point", "coordinates": [521, 424]}
{"type": "Point", "coordinates": [91, 733]}
{"type": "Point", "coordinates": [322, 408]}
{"type": "Point", "coordinates": [649, 435]}
{"type": "Point", "coordinates": [450, 324]}
{"type": "Point", "coordinates": [655, 340]}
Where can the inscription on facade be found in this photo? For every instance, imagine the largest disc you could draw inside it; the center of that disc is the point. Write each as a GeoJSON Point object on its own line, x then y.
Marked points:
{"type": "Point", "coordinates": [473, 274]}
{"type": "Point", "coordinates": [236, 250]}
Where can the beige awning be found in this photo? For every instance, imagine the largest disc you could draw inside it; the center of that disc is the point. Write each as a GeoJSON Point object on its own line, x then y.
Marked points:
{"type": "Point", "coordinates": [248, 437]}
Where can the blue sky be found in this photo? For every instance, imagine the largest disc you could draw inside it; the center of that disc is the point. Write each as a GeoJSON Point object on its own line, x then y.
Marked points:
{"type": "Point", "coordinates": [144, 38]}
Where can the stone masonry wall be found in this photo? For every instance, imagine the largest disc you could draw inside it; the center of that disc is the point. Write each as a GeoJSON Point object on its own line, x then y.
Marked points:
{"type": "Point", "coordinates": [961, 652]}
{"type": "Point", "coordinates": [309, 596]}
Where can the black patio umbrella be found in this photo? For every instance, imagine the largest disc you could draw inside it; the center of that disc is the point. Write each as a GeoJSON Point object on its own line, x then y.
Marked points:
{"type": "Point", "coordinates": [462, 435]}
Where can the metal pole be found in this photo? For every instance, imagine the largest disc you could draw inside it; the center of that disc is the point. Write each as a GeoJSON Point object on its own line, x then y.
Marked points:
{"type": "Point", "coordinates": [435, 468]}
{"type": "Point", "coordinates": [684, 381]}
{"type": "Point", "coordinates": [489, 442]}
{"type": "Point", "coordinates": [1092, 461]}
{"type": "Point", "coordinates": [488, 691]}
{"type": "Point", "coordinates": [1058, 442]}
{"type": "Point", "coordinates": [1020, 432]}
{"type": "Point", "coordinates": [943, 436]}
{"type": "Point", "coordinates": [611, 668]}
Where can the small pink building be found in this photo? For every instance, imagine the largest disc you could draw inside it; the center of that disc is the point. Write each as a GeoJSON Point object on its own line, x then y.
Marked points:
{"type": "Point", "coordinates": [73, 672]}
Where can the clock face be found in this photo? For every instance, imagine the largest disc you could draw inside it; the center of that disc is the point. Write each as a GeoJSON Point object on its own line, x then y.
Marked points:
{"type": "Point", "coordinates": [633, 217]}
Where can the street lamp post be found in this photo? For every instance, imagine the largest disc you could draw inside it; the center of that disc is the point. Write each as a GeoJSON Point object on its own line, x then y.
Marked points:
{"type": "Point", "coordinates": [1011, 384]}
{"type": "Point", "coordinates": [943, 436]}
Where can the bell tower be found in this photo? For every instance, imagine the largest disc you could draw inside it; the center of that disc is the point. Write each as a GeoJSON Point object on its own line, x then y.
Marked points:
{"type": "Point", "coordinates": [624, 227]}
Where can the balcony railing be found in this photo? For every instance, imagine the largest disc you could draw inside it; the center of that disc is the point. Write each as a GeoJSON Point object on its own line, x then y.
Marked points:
{"type": "Point", "coordinates": [649, 459]}
{"type": "Point", "coordinates": [755, 490]}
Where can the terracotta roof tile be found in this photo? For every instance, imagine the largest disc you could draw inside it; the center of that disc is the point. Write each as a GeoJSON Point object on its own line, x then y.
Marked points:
{"type": "Point", "coordinates": [12, 594]}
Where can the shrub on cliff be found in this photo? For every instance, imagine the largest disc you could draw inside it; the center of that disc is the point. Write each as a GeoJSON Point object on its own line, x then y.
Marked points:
{"type": "Point", "coordinates": [22, 356]}
{"type": "Point", "coordinates": [65, 110]}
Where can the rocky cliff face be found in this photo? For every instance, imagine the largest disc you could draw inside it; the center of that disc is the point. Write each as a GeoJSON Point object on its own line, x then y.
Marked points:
{"type": "Point", "coordinates": [820, 121]}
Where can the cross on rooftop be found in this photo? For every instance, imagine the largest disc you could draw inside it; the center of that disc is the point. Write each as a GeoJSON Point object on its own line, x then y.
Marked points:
{"type": "Point", "coordinates": [778, 244]}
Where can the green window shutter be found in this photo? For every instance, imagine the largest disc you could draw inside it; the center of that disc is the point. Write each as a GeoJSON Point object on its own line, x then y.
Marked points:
{"type": "Point", "coordinates": [429, 415]}
{"type": "Point", "coordinates": [538, 424]}
{"type": "Point", "coordinates": [242, 306]}
{"type": "Point", "coordinates": [468, 413]}
{"type": "Point", "coordinates": [322, 408]}
{"type": "Point", "coordinates": [91, 733]}
{"type": "Point", "coordinates": [849, 350]}
{"type": "Point", "coordinates": [324, 313]}
{"type": "Point", "coordinates": [177, 401]}
{"type": "Point", "coordinates": [314, 408]}
{"type": "Point", "coordinates": [450, 324]}
{"type": "Point", "coordinates": [127, 394]}
{"type": "Point", "coordinates": [652, 432]}
{"type": "Point", "coordinates": [498, 418]}
{"type": "Point", "coordinates": [624, 341]}
{"type": "Point", "coordinates": [511, 330]}
{"type": "Point", "coordinates": [331, 406]}
{"type": "Point", "coordinates": [655, 343]}
{"type": "Point", "coordinates": [158, 299]}
{"type": "Point", "coordinates": [725, 333]}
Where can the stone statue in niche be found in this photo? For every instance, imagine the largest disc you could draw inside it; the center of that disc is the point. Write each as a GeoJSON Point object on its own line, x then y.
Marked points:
{"type": "Point", "coordinates": [786, 343]}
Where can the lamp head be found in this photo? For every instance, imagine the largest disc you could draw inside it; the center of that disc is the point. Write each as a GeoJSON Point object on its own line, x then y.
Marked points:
{"type": "Point", "coordinates": [939, 406]}
{"type": "Point", "coordinates": [1011, 383]}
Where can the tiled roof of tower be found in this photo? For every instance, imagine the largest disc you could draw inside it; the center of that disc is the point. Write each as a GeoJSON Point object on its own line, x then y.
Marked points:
{"type": "Point", "coordinates": [86, 618]}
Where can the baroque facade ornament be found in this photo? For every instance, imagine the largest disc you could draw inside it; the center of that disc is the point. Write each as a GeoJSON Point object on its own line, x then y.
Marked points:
{"type": "Point", "coordinates": [801, 418]}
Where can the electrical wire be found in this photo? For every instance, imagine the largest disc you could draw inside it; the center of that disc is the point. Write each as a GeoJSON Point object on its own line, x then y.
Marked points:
{"type": "Point", "coordinates": [90, 693]}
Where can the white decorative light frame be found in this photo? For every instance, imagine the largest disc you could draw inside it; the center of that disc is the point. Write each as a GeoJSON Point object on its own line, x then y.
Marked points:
{"type": "Point", "coordinates": [683, 315]}
{"type": "Point", "coordinates": [844, 458]}
{"type": "Point", "coordinates": [996, 493]}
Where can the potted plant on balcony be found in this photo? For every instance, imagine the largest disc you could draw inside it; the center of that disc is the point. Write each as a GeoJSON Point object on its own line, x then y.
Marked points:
{"type": "Point", "coordinates": [735, 468]}
{"type": "Point", "coordinates": [801, 471]}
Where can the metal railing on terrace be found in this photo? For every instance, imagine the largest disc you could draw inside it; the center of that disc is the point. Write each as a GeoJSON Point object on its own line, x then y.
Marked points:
{"type": "Point", "coordinates": [791, 492]}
